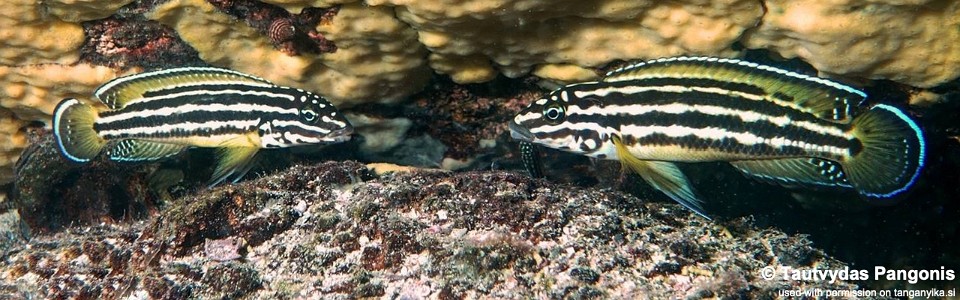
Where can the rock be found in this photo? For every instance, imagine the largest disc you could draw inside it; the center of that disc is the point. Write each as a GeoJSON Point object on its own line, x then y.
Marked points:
{"type": "Point", "coordinates": [332, 230]}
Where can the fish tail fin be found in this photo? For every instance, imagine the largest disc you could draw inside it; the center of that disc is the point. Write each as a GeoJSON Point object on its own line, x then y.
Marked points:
{"type": "Point", "coordinates": [73, 130]}
{"type": "Point", "coordinates": [662, 175]}
{"type": "Point", "coordinates": [891, 156]}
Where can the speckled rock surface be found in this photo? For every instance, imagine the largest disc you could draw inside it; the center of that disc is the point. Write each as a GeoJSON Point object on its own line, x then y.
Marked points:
{"type": "Point", "coordinates": [335, 231]}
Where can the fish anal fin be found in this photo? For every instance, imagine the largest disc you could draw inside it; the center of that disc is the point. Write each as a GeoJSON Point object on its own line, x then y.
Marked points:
{"type": "Point", "coordinates": [664, 176]}
{"type": "Point", "coordinates": [232, 161]}
{"type": "Point", "coordinates": [796, 172]}
{"type": "Point", "coordinates": [143, 151]}
{"type": "Point", "coordinates": [117, 93]}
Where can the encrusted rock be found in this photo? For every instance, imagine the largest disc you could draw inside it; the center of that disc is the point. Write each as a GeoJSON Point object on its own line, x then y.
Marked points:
{"type": "Point", "coordinates": [332, 230]}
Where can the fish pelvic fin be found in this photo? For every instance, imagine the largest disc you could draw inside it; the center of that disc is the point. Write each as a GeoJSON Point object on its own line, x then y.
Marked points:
{"type": "Point", "coordinates": [73, 130]}
{"type": "Point", "coordinates": [891, 156]}
{"type": "Point", "coordinates": [662, 175]}
{"type": "Point", "coordinates": [233, 162]}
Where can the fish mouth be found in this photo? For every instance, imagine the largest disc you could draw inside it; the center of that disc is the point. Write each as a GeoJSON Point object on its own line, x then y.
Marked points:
{"type": "Point", "coordinates": [341, 135]}
{"type": "Point", "coordinates": [518, 132]}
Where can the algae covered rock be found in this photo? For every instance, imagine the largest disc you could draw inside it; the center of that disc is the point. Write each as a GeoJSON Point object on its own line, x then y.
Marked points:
{"type": "Point", "coordinates": [335, 230]}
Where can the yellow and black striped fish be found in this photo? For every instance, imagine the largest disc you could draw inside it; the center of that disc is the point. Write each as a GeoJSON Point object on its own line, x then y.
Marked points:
{"type": "Point", "coordinates": [772, 124]}
{"type": "Point", "coordinates": [155, 115]}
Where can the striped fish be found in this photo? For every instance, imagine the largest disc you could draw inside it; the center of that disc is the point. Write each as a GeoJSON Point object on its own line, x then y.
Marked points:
{"type": "Point", "coordinates": [156, 115]}
{"type": "Point", "coordinates": [772, 124]}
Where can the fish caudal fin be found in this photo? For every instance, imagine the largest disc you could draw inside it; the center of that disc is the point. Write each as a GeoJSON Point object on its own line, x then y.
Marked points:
{"type": "Point", "coordinates": [892, 153]}
{"type": "Point", "coordinates": [664, 176]}
{"type": "Point", "coordinates": [73, 130]}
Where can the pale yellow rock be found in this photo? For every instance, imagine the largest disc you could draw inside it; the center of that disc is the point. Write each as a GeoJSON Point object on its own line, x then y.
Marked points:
{"type": "Point", "coordinates": [296, 6]}
{"type": "Point", "coordinates": [914, 42]}
{"type": "Point", "coordinates": [464, 69]}
{"type": "Point", "coordinates": [384, 168]}
{"type": "Point", "coordinates": [29, 35]}
{"type": "Point", "coordinates": [565, 73]}
{"type": "Point", "coordinates": [925, 98]}
{"type": "Point", "coordinates": [76, 11]}
{"type": "Point", "coordinates": [31, 92]}
{"type": "Point", "coordinates": [513, 36]}
{"type": "Point", "coordinates": [454, 164]}
{"type": "Point", "coordinates": [378, 58]}
{"type": "Point", "coordinates": [12, 143]}
{"type": "Point", "coordinates": [39, 40]}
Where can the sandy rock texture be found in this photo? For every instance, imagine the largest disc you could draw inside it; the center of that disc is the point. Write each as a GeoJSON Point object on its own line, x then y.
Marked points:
{"type": "Point", "coordinates": [39, 49]}
{"type": "Point", "coordinates": [916, 42]}
{"type": "Point", "coordinates": [336, 231]}
{"type": "Point", "coordinates": [472, 41]}
{"type": "Point", "coordinates": [376, 58]}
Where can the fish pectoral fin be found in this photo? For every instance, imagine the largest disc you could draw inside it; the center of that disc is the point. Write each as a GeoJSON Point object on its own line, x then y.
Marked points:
{"type": "Point", "coordinates": [802, 172]}
{"type": "Point", "coordinates": [233, 161]}
{"type": "Point", "coordinates": [662, 175]}
{"type": "Point", "coordinates": [119, 92]}
{"type": "Point", "coordinates": [248, 140]}
{"type": "Point", "coordinates": [143, 151]}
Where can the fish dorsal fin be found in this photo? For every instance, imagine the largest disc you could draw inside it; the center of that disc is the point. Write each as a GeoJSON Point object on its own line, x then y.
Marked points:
{"type": "Point", "coordinates": [662, 175]}
{"type": "Point", "coordinates": [143, 151]}
{"type": "Point", "coordinates": [796, 172]}
{"type": "Point", "coordinates": [120, 91]}
{"type": "Point", "coordinates": [824, 98]}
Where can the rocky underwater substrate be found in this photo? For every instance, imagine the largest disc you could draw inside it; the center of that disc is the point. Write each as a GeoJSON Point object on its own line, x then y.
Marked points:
{"type": "Point", "coordinates": [339, 230]}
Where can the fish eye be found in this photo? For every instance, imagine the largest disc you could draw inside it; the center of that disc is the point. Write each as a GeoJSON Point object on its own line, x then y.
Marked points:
{"type": "Point", "coordinates": [554, 112]}
{"type": "Point", "coordinates": [308, 114]}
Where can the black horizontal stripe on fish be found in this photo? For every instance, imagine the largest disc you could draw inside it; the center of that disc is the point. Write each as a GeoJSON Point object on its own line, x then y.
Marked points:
{"type": "Point", "coordinates": [742, 87]}
{"type": "Point", "coordinates": [218, 109]}
{"type": "Point", "coordinates": [692, 82]}
{"type": "Point", "coordinates": [690, 96]}
{"type": "Point", "coordinates": [697, 121]}
{"type": "Point", "coordinates": [696, 98]}
{"type": "Point", "coordinates": [220, 87]}
{"type": "Point", "coordinates": [732, 122]}
{"type": "Point", "coordinates": [730, 145]}
{"type": "Point", "coordinates": [761, 128]}
{"type": "Point", "coordinates": [271, 96]}
{"type": "Point", "coordinates": [172, 121]}
{"type": "Point", "coordinates": [179, 132]}
{"type": "Point", "coordinates": [733, 70]}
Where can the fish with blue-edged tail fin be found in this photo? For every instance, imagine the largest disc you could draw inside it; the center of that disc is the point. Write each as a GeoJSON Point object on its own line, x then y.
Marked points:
{"type": "Point", "coordinates": [772, 124]}
{"type": "Point", "coordinates": [155, 115]}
